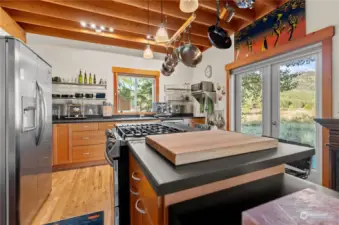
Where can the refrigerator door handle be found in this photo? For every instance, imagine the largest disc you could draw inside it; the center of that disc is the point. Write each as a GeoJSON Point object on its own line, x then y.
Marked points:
{"type": "Point", "coordinates": [43, 110]}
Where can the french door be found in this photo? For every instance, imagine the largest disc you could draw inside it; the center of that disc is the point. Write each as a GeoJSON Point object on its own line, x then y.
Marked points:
{"type": "Point", "coordinates": [280, 98]}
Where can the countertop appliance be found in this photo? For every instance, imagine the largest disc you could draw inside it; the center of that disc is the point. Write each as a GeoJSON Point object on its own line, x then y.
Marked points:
{"type": "Point", "coordinates": [117, 156]}
{"type": "Point", "coordinates": [26, 132]}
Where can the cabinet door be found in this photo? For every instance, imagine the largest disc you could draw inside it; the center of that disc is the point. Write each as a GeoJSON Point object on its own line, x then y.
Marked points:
{"type": "Point", "coordinates": [61, 150]}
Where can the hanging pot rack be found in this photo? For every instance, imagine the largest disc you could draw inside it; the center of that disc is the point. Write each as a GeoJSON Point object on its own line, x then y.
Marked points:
{"type": "Point", "coordinates": [183, 27]}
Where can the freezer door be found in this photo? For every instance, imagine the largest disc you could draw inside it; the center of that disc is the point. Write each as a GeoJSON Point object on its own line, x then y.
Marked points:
{"type": "Point", "coordinates": [44, 137]}
{"type": "Point", "coordinates": [3, 183]}
{"type": "Point", "coordinates": [28, 108]}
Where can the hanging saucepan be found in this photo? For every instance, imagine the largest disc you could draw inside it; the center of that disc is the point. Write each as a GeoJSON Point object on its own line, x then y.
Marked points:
{"type": "Point", "coordinates": [190, 54]}
{"type": "Point", "coordinates": [166, 71]}
{"type": "Point", "coordinates": [218, 37]}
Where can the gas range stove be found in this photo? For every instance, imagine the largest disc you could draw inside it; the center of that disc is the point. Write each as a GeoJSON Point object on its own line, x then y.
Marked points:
{"type": "Point", "coordinates": [140, 131]}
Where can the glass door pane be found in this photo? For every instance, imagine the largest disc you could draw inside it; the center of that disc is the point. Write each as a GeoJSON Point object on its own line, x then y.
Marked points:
{"type": "Point", "coordinates": [297, 85]}
{"type": "Point", "coordinates": [250, 103]}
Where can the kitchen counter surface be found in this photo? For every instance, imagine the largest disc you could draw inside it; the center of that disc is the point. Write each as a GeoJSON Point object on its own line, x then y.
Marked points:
{"type": "Point", "coordinates": [166, 178]}
{"type": "Point", "coordinates": [120, 118]}
{"type": "Point", "coordinates": [102, 119]}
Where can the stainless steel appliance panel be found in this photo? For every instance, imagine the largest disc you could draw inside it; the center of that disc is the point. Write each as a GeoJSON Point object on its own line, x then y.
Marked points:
{"type": "Point", "coordinates": [26, 87]}
{"type": "Point", "coordinates": [25, 162]}
{"type": "Point", "coordinates": [45, 146]}
{"type": "Point", "coordinates": [3, 183]}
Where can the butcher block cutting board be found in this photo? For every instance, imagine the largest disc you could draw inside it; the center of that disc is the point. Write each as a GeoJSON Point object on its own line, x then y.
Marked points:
{"type": "Point", "coordinates": [184, 148]}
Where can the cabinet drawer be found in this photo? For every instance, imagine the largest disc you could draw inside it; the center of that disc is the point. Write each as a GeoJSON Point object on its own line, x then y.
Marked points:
{"type": "Point", "coordinates": [88, 153]}
{"type": "Point", "coordinates": [106, 125]}
{"type": "Point", "coordinates": [84, 126]}
{"type": "Point", "coordinates": [88, 138]}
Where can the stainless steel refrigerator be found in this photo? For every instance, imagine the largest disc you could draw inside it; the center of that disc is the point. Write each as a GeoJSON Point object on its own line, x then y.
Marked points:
{"type": "Point", "coordinates": [25, 132]}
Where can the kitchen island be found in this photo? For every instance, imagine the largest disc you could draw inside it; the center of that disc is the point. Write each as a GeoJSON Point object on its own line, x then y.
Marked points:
{"type": "Point", "coordinates": [156, 185]}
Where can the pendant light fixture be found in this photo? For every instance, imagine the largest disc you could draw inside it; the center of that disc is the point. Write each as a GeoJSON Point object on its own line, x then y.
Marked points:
{"type": "Point", "coordinates": [148, 53]}
{"type": "Point", "coordinates": [188, 6]}
{"type": "Point", "coordinates": [161, 36]}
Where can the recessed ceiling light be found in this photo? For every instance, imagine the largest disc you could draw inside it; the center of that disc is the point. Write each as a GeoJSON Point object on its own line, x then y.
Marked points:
{"type": "Point", "coordinates": [93, 25]}
{"type": "Point", "coordinates": [148, 37]}
{"type": "Point", "coordinates": [98, 30]}
{"type": "Point", "coordinates": [83, 23]}
{"type": "Point", "coordinates": [111, 29]}
{"type": "Point", "coordinates": [102, 27]}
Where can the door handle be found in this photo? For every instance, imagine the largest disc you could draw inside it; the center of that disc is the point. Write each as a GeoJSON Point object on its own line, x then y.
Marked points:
{"type": "Point", "coordinates": [137, 207]}
{"type": "Point", "coordinates": [274, 123]}
{"type": "Point", "coordinates": [43, 110]}
{"type": "Point", "coordinates": [85, 138]}
{"type": "Point", "coordinates": [85, 153]}
{"type": "Point", "coordinates": [133, 192]}
{"type": "Point", "coordinates": [135, 177]}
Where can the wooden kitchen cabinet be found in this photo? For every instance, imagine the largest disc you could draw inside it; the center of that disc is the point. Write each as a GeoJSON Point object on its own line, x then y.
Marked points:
{"type": "Point", "coordinates": [142, 192]}
{"type": "Point", "coordinates": [61, 151]}
{"type": "Point", "coordinates": [77, 145]}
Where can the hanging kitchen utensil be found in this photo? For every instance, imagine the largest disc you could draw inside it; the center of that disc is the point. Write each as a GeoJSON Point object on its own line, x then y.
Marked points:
{"type": "Point", "coordinates": [167, 68]}
{"type": "Point", "coordinates": [227, 13]}
{"type": "Point", "coordinates": [218, 37]}
{"type": "Point", "coordinates": [190, 54]}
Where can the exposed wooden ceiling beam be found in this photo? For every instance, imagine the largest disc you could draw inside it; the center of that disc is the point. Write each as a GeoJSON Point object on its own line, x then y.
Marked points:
{"type": "Point", "coordinates": [8, 24]}
{"type": "Point", "coordinates": [62, 12]}
{"type": "Point", "coordinates": [271, 3]}
{"type": "Point", "coordinates": [171, 8]}
{"type": "Point", "coordinates": [263, 10]}
{"type": "Point", "coordinates": [245, 14]}
{"type": "Point", "coordinates": [122, 11]}
{"type": "Point", "coordinates": [45, 21]}
{"type": "Point", "coordinates": [86, 37]}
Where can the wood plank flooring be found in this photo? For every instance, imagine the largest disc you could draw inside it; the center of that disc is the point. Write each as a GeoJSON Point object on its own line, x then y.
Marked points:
{"type": "Point", "coordinates": [78, 192]}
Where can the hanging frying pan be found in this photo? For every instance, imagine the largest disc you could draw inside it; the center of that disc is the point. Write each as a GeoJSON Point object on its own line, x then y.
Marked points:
{"type": "Point", "coordinates": [218, 37]}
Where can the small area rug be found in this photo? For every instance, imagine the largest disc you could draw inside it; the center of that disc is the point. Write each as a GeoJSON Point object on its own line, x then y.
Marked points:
{"type": "Point", "coordinates": [96, 218]}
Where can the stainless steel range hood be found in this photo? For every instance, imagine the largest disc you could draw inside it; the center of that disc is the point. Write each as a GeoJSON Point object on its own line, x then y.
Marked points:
{"type": "Point", "coordinates": [202, 90]}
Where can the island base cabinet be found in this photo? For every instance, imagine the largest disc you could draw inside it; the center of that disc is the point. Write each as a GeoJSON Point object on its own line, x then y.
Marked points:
{"type": "Point", "coordinates": [145, 205]}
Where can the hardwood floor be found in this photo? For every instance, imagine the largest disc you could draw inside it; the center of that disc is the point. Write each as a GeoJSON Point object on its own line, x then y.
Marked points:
{"type": "Point", "coordinates": [78, 192]}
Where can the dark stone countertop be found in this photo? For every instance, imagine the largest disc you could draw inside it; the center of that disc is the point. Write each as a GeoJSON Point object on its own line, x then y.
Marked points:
{"type": "Point", "coordinates": [118, 118]}
{"type": "Point", "coordinates": [103, 119]}
{"type": "Point", "coordinates": [166, 178]}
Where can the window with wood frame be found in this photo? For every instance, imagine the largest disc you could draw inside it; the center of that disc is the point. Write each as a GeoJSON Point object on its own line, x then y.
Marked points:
{"type": "Point", "coordinates": [135, 90]}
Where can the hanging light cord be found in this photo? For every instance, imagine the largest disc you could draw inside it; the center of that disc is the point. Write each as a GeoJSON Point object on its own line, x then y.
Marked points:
{"type": "Point", "coordinates": [148, 33]}
{"type": "Point", "coordinates": [161, 13]}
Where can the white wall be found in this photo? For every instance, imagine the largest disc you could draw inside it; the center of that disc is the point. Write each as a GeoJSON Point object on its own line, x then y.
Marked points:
{"type": "Point", "coordinates": [66, 60]}
{"type": "Point", "coordinates": [321, 14]}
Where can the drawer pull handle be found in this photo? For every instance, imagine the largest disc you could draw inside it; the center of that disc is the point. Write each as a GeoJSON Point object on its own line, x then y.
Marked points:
{"type": "Point", "coordinates": [85, 138]}
{"type": "Point", "coordinates": [137, 207]}
{"type": "Point", "coordinates": [85, 153]}
{"type": "Point", "coordinates": [85, 126]}
{"type": "Point", "coordinates": [110, 125]}
{"type": "Point", "coordinates": [135, 177]}
{"type": "Point", "coordinates": [133, 192]}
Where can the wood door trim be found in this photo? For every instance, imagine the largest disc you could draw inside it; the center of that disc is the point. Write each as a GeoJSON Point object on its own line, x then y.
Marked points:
{"type": "Point", "coordinates": [326, 106]}
{"type": "Point", "coordinates": [206, 189]}
{"type": "Point", "coordinates": [323, 36]}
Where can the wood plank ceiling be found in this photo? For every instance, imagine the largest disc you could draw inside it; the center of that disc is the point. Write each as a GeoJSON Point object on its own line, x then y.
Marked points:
{"type": "Point", "coordinates": [129, 18]}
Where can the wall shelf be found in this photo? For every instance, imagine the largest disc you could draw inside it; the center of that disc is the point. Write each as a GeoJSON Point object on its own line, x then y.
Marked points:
{"type": "Point", "coordinates": [80, 85]}
{"type": "Point", "coordinates": [87, 99]}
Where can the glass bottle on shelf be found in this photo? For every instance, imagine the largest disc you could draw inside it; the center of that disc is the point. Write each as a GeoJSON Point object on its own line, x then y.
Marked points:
{"type": "Point", "coordinates": [80, 78]}
{"type": "Point", "coordinates": [90, 79]}
{"type": "Point", "coordinates": [95, 79]}
{"type": "Point", "coordinates": [85, 80]}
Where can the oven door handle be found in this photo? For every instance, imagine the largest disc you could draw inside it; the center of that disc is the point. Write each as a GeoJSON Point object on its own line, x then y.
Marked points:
{"type": "Point", "coordinates": [110, 162]}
